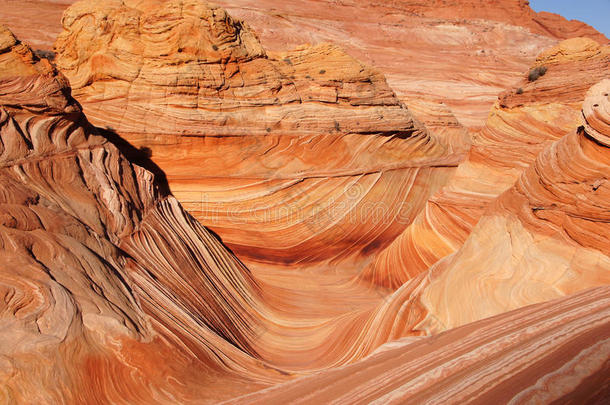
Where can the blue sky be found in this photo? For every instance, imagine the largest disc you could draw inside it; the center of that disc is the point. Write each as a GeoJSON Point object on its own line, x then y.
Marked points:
{"type": "Point", "coordinates": [593, 12]}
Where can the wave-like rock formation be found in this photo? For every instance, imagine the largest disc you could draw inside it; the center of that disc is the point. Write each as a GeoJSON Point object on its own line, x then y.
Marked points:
{"type": "Point", "coordinates": [291, 157]}
{"type": "Point", "coordinates": [523, 122]}
{"type": "Point", "coordinates": [355, 223]}
{"type": "Point", "coordinates": [109, 291]}
{"type": "Point", "coordinates": [483, 46]}
{"type": "Point", "coordinates": [346, 164]}
{"type": "Point", "coordinates": [549, 233]}
{"type": "Point", "coordinates": [545, 237]}
{"type": "Point", "coordinates": [556, 351]}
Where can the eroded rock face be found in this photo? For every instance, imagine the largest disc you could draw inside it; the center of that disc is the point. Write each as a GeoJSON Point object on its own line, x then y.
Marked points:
{"type": "Point", "coordinates": [549, 232]}
{"type": "Point", "coordinates": [110, 291]}
{"type": "Point", "coordinates": [523, 122]}
{"type": "Point", "coordinates": [545, 237]}
{"type": "Point", "coordinates": [561, 355]}
{"type": "Point", "coordinates": [460, 52]}
{"type": "Point", "coordinates": [100, 273]}
{"type": "Point", "coordinates": [286, 155]}
{"type": "Point", "coordinates": [484, 46]}
{"type": "Point", "coordinates": [513, 12]}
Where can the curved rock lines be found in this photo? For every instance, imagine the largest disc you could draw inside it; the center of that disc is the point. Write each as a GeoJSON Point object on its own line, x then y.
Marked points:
{"type": "Point", "coordinates": [332, 222]}
{"type": "Point", "coordinates": [512, 358]}
{"type": "Point", "coordinates": [519, 127]}
{"type": "Point", "coordinates": [72, 284]}
{"type": "Point", "coordinates": [291, 157]}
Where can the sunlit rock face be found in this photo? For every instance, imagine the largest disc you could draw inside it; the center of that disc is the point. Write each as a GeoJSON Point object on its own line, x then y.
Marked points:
{"type": "Point", "coordinates": [363, 250]}
{"type": "Point", "coordinates": [460, 52]}
{"type": "Point", "coordinates": [112, 293]}
{"type": "Point", "coordinates": [524, 121]}
{"type": "Point", "coordinates": [545, 237]}
{"type": "Point", "coordinates": [466, 51]}
{"type": "Point", "coordinates": [109, 290]}
{"type": "Point", "coordinates": [556, 351]}
{"type": "Point", "coordinates": [549, 233]}
{"type": "Point", "coordinates": [290, 157]}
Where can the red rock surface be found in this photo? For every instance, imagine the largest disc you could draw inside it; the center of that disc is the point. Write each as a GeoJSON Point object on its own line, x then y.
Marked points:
{"type": "Point", "coordinates": [109, 289]}
{"type": "Point", "coordinates": [460, 52]}
{"type": "Point", "coordinates": [556, 351]}
{"type": "Point", "coordinates": [290, 157]}
{"type": "Point", "coordinates": [36, 21]}
{"type": "Point", "coordinates": [519, 127]}
{"type": "Point", "coordinates": [549, 233]}
{"type": "Point", "coordinates": [111, 292]}
{"type": "Point", "coordinates": [466, 51]}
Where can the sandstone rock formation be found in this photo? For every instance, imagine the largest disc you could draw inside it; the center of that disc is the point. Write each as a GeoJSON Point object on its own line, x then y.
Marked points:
{"type": "Point", "coordinates": [545, 237]}
{"type": "Point", "coordinates": [339, 219]}
{"type": "Point", "coordinates": [483, 46]}
{"type": "Point", "coordinates": [462, 52]}
{"type": "Point", "coordinates": [36, 21]}
{"type": "Point", "coordinates": [523, 122]}
{"type": "Point", "coordinates": [549, 233]}
{"type": "Point", "coordinates": [290, 157]}
{"type": "Point", "coordinates": [556, 351]}
{"type": "Point", "coordinates": [100, 273]}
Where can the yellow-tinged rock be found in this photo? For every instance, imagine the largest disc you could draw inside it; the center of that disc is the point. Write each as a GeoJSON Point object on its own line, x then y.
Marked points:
{"type": "Point", "coordinates": [572, 49]}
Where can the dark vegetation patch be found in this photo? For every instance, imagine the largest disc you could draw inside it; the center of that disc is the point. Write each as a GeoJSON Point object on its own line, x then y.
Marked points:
{"type": "Point", "coordinates": [536, 73]}
{"type": "Point", "coordinates": [44, 54]}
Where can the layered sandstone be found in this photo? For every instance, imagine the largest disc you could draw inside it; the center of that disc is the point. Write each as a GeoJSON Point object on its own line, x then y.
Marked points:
{"type": "Point", "coordinates": [546, 237]}
{"type": "Point", "coordinates": [307, 165]}
{"type": "Point", "coordinates": [36, 21]}
{"type": "Point", "coordinates": [290, 157]}
{"type": "Point", "coordinates": [101, 273]}
{"type": "Point", "coordinates": [460, 52]}
{"type": "Point", "coordinates": [239, 115]}
{"type": "Point", "coordinates": [466, 51]}
{"type": "Point", "coordinates": [128, 277]}
{"type": "Point", "coordinates": [524, 121]}
{"type": "Point", "coordinates": [556, 351]}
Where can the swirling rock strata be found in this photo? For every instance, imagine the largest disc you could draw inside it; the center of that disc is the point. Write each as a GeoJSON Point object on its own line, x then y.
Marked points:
{"type": "Point", "coordinates": [545, 237]}
{"type": "Point", "coordinates": [101, 274]}
{"type": "Point", "coordinates": [111, 292]}
{"type": "Point", "coordinates": [523, 122]}
{"type": "Point", "coordinates": [108, 280]}
{"type": "Point", "coordinates": [290, 157]}
{"type": "Point", "coordinates": [556, 351]}
{"type": "Point", "coordinates": [549, 233]}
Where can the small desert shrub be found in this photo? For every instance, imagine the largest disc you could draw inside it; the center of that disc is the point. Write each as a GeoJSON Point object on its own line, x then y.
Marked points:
{"type": "Point", "coordinates": [214, 47]}
{"type": "Point", "coordinates": [519, 90]}
{"type": "Point", "coordinates": [43, 54]}
{"type": "Point", "coordinates": [536, 73]}
{"type": "Point", "coordinates": [322, 71]}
